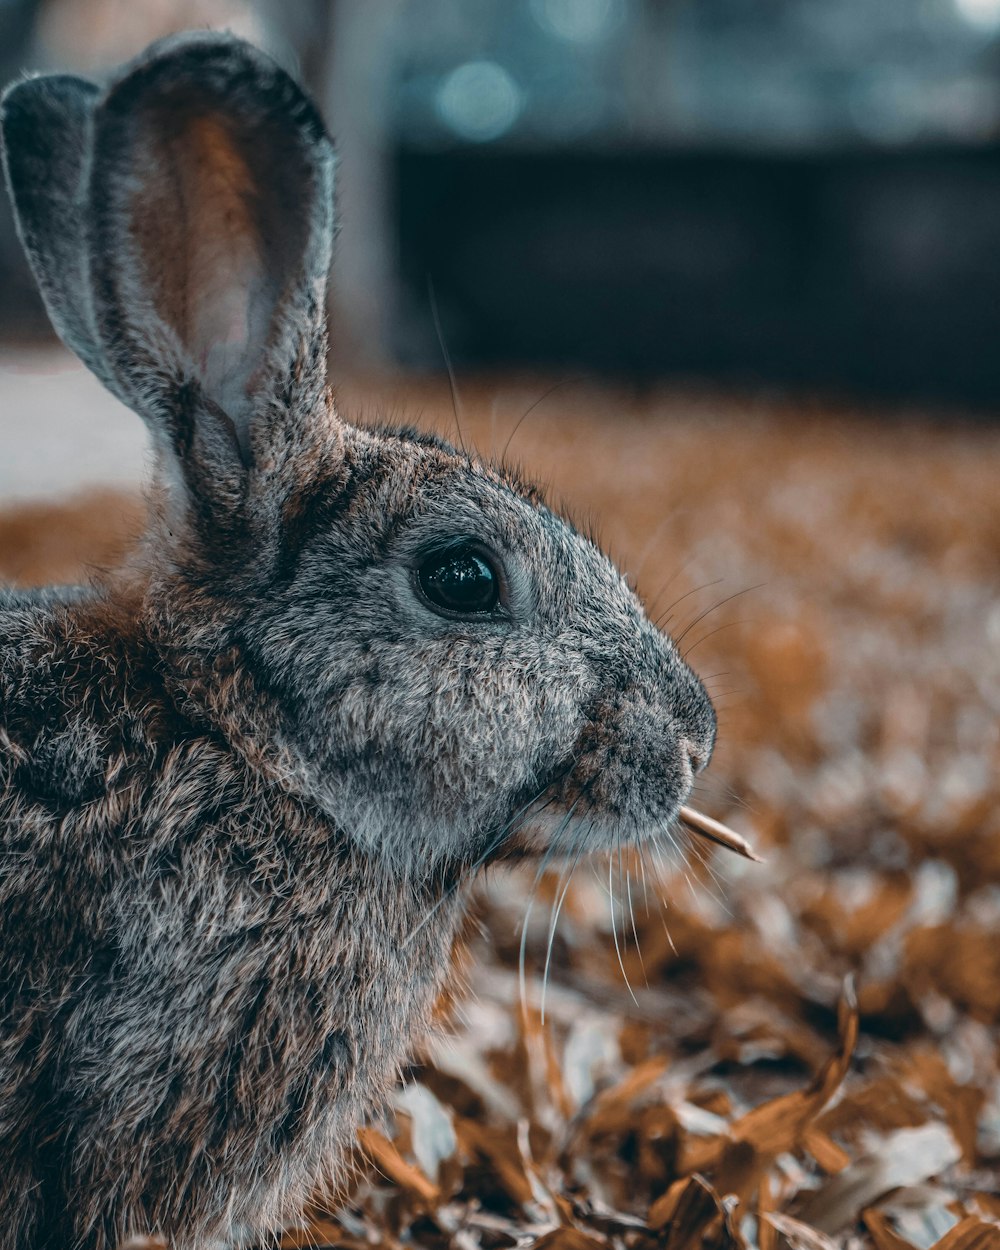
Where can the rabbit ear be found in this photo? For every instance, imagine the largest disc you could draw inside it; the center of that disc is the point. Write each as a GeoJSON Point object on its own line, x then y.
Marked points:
{"type": "Point", "coordinates": [210, 220]}
{"type": "Point", "coordinates": [46, 125]}
{"type": "Point", "coordinates": [180, 226]}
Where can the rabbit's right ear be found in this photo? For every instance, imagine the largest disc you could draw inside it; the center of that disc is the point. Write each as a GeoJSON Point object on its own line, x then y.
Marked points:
{"type": "Point", "coordinates": [46, 125]}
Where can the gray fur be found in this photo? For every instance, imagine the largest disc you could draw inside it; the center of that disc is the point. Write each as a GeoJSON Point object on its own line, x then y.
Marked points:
{"type": "Point", "coordinates": [245, 784]}
{"type": "Point", "coordinates": [47, 124]}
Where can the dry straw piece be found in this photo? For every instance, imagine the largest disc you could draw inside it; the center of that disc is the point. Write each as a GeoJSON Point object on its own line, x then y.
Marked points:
{"type": "Point", "coordinates": [716, 831]}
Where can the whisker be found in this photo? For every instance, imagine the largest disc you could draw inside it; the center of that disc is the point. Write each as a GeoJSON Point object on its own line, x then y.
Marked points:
{"type": "Point", "coordinates": [680, 849]}
{"type": "Point", "coordinates": [614, 930]}
{"type": "Point", "coordinates": [523, 417]}
{"type": "Point", "coordinates": [717, 887]}
{"type": "Point", "coordinates": [658, 853]}
{"type": "Point", "coordinates": [714, 608]}
{"type": "Point", "coordinates": [668, 612]}
{"type": "Point", "coordinates": [716, 788]}
{"type": "Point", "coordinates": [718, 630]}
{"type": "Point", "coordinates": [522, 978]}
{"type": "Point", "coordinates": [642, 876]}
{"type": "Point", "coordinates": [557, 908]}
{"type": "Point", "coordinates": [455, 402]}
{"type": "Point", "coordinates": [631, 912]}
{"type": "Point", "coordinates": [565, 877]}
{"type": "Point", "coordinates": [494, 845]}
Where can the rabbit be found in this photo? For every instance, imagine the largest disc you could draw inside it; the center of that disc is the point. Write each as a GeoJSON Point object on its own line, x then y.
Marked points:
{"type": "Point", "coordinates": [247, 782]}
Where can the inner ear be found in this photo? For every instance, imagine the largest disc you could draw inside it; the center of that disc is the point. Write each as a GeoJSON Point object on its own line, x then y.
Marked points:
{"type": "Point", "coordinates": [218, 232]}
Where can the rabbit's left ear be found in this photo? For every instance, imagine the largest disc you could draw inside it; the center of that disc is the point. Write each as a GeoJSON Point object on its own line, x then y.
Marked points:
{"type": "Point", "coordinates": [210, 230]}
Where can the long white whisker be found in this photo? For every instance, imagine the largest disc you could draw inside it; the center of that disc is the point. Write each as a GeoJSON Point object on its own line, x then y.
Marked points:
{"type": "Point", "coordinates": [631, 913]}
{"type": "Point", "coordinates": [494, 845]}
{"type": "Point", "coordinates": [679, 849]}
{"type": "Point", "coordinates": [557, 908]}
{"type": "Point", "coordinates": [522, 976]}
{"type": "Point", "coordinates": [642, 878]}
{"type": "Point", "coordinates": [522, 980]}
{"type": "Point", "coordinates": [658, 855]}
{"type": "Point", "coordinates": [717, 887]}
{"type": "Point", "coordinates": [614, 929]}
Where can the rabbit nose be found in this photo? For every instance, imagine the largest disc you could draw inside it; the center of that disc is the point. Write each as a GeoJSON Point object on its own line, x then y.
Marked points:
{"type": "Point", "coordinates": [696, 754]}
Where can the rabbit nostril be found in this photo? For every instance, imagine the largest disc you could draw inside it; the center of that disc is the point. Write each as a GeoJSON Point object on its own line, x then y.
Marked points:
{"type": "Point", "coordinates": [697, 756]}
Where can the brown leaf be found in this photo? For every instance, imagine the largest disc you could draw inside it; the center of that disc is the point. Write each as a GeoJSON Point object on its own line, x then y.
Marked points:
{"type": "Point", "coordinates": [685, 1211]}
{"type": "Point", "coordinates": [960, 1103]}
{"type": "Point", "coordinates": [800, 1236]}
{"type": "Point", "coordinates": [391, 1164]}
{"type": "Point", "coordinates": [779, 1125]}
{"type": "Point", "coordinates": [612, 1108]}
{"type": "Point", "coordinates": [569, 1239]}
{"type": "Point", "coordinates": [905, 1157]}
{"type": "Point", "coordinates": [499, 1146]}
{"type": "Point", "coordinates": [830, 1157]}
{"type": "Point", "coordinates": [988, 1204]}
{"type": "Point", "coordinates": [662, 1210]}
{"type": "Point", "coordinates": [883, 1234]}
{"type": "Point", "coordinates": [757, 1138]}
{"type": "Point", "coordinates": [972, 1233]}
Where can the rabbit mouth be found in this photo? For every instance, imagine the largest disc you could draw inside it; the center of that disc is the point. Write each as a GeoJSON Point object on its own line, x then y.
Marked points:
{"type": "Point", "coordinates": [630, 772]}
{"type": "Point", "coordinates": [554, 830]}
{"type": "Point", "coordinates": [576, 830]}
{"type": "Point", "coordinates": [583, 809]}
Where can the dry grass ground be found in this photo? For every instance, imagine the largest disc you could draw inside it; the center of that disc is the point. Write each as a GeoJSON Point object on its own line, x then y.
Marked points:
{"type": "Point", "coordinates": [836, 579]}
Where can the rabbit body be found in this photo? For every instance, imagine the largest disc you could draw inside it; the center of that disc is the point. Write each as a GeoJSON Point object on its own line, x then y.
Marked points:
{"type": "Point", "coordinates": [246, 783]}
{"type": "Point", "coordinates": [205, 986]}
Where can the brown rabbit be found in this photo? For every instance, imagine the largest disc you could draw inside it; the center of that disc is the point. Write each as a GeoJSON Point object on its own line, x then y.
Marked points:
{"type": "Point", "coordinates": [245, 786]}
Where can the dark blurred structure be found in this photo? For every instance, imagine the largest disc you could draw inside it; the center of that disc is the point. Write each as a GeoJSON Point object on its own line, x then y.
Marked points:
{"type": "Point", "coordinates": [20, 305]}
{"type": "Point", "coordinates": [802, 192]}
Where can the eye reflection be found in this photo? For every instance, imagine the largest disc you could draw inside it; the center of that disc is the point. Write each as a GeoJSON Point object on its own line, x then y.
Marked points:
{"type": "Point", "coordinates": [459, 581]}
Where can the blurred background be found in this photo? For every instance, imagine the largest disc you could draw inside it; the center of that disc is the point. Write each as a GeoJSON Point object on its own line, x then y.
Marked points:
{"type": "Point", "coordinates": [724, 277]}
{"type": "Point", "coordinates": [796, 192]}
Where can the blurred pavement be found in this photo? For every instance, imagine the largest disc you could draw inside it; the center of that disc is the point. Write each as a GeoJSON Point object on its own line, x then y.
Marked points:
{"type": "Point", "coordinates": [60, 430]}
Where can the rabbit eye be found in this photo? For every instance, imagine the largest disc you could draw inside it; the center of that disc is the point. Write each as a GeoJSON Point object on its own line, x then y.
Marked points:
{"type": "Point", "coordinates": [459, 581]}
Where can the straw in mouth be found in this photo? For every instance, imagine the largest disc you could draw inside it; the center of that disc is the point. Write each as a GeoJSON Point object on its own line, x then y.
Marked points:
{"type": "Point", "coordinates": [716, 831]}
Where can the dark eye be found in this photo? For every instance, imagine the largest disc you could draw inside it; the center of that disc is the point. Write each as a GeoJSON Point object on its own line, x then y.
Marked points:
{"type": "Point", "coordinates": [459, 581]}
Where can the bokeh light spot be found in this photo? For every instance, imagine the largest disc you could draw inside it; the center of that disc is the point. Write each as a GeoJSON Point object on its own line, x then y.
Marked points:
{"type": "Point", "coordinates": [982, 13]}
{"type": "Point", "coordinates": [479, 101]}
{"type": "Point", "coordinates": [579, 21]}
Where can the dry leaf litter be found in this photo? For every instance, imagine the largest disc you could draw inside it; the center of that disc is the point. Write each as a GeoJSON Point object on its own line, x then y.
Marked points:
{"type": "Point", "coordinates": [704, 1052]}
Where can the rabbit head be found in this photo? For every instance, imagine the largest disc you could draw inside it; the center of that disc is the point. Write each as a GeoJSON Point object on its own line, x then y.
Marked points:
{"type": "Point", "coordinates": [400, 633]}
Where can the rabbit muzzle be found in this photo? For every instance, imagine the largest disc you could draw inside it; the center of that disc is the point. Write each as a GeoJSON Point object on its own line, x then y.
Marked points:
{"type": "Point", "coordinates": [630, 769]}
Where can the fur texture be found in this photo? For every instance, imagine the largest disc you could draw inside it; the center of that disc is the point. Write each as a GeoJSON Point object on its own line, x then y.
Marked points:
{"type": "Point", "coordinates": [245, 786]}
